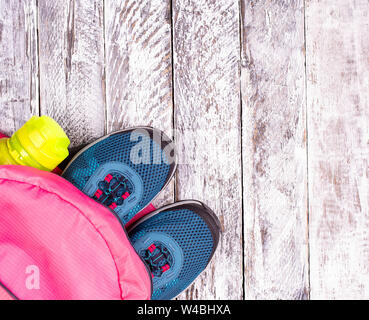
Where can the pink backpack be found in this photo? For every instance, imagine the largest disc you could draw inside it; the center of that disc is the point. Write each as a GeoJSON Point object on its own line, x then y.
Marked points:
{"type": "Point", "coordinates": [57, 243]}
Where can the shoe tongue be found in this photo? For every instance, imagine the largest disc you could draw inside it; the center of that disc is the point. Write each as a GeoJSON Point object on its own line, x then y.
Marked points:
{"type": "Point", "coordinates": [157, 259]}
{"type": "Point", "coordinates": [115, 189]}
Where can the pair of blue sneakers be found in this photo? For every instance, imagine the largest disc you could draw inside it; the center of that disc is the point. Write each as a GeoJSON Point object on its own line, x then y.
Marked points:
{"type": "Point", "coordinates": [125, 171]}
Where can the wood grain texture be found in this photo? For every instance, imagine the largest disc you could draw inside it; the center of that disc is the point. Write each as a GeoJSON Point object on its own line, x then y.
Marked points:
{"type": "Point", "coordinates": [338, 117]}
{"type": "Point", "coordinates": [18, 63]}
{"type": "Point", "coordinates": [208, 131]}
{"type": "Point", "coordinates": [71, 46]}
{"type": "Point", "coordinates": [139, 68]}
{"type": "Point", "coordinates": [274, 150]}
{"type": "Point", "coordinates": [102, 65]}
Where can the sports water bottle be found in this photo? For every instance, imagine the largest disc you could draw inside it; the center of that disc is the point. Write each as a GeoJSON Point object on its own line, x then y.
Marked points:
{"type": "Point", "coordinates": [41, 143]}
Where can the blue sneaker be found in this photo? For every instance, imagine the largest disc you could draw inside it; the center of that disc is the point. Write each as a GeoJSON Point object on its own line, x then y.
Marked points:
{"type": "Point", "coordinates": [125, 170]}
{"type": "Point", "coordinates": [177, 242]}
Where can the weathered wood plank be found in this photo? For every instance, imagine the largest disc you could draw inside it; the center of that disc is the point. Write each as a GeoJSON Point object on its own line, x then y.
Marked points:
{"type": "Point", "coordinates": [338, 117]}
{"type": "Point", "coordinates": [72, 66]}
{"type": "Point", "coordinates": [139, 68]}
{"type": "Point", "coordinates": [274, 150]}
{"type": "Point", "coordinates": [208, 130]}
{"type": "Point", "coordinates": [18, 63]}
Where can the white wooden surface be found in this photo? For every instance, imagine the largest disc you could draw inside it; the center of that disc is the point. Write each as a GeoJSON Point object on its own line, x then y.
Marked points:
{"type": "Point", "coordinates": [268, 105]}
{"type": "Point", "coordinates": [71, 55]}
{"type": "Point", "coordinates": [274, 150]}
{"type": "Point", "coordinates": [338, 114]}
{"type": "Point", "coordinates": [208, 127]}
{"type": "Point", "coordinates": [19, 98]}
